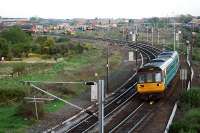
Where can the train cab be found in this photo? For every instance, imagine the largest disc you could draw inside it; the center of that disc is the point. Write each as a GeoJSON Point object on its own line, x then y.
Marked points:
{"type": "Point", "coordinates": [150, 80]}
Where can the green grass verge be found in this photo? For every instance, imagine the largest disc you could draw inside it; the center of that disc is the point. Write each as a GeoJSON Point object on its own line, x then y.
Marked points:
{"type": "Point", "coordinates": [51, 72]}
{"type": "Point", "coordinates": [190, 123]}
{"type": "Point", "coordinates": [53, 106]}
{"type": "Point", "coordinates": [10, 122]}
{"type": "Point", "coordinates": [190, 107]}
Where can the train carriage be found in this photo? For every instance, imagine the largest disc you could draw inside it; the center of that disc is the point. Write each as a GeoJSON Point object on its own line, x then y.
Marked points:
{"type": "Point", "coordinates": [154, 77]}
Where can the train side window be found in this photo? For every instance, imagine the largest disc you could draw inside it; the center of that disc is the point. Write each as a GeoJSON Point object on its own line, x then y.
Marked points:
{"type": "Point", "coordinates": [158, 77]}
{"type": "Point", "coordinates": [141, 78]}
{"type": "Point", "coordinates": [149, 77]}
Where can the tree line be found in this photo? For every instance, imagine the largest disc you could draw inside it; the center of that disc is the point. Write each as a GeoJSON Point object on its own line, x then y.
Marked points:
{"type": "Point", "coordinates": [15, 43]}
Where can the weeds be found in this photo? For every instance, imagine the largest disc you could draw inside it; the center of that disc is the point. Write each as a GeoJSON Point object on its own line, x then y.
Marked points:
{"type": "Point", "coordinates": [190, 106]}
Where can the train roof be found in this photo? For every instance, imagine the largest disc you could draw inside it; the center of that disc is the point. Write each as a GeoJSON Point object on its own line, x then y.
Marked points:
{"type": "Point", "coordinates": [166, 54]}
{"type": "Point", "coordinates": [162, 60]}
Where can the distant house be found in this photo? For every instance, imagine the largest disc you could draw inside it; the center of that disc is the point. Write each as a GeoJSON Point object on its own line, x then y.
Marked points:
{"type": "Point", "coordinates": [29, 28]}
{"type": "Point", "coordinates": [6, 22]}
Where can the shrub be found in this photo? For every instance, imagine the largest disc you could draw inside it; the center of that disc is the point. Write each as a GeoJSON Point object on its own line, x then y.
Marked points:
{"type": "Point", "coordinates": [189, 124]}
{"type": "Point", "coordinates": [190, 99]}
{"type": "Point", "coordinates": [62, 39]}
{"type": "Point", "coordinates": [19, 68]}
{"type": "Point", "coordinates": [67, 90]}
{"type": "Point", "coordinates": [11, 94]}
{"type": "Point", "coordinates": [190, 105]}
{"type": "Point", "coordinates": [27, 109]}
{"type": "Point", "coordinates": [88, 46]}
{"type": "Point", "coordinates": [196, 55]}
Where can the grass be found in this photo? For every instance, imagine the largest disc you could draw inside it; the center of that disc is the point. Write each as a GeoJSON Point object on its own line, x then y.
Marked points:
{"type": "Point", "coordinates": [190, 108]}
{"type": "Point", "coordinates": [113, 34]}
{"type": "Point", "coordinates": [73, 66]}
{"type": "Point", "coordinates": [9, 122]}
{"type": "Point", "coordinates": [54, 106]}
{"type": "Point", "coordinates": [190, 123]}
{"type": "Point", "coordinates": [57, 104]}
{"type": "Point", "coordinates": [195, 54]}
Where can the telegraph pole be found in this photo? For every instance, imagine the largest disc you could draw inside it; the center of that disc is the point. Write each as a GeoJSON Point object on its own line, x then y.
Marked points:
{"type": "Point", "coordinates": [136, 51]}
{"type": "Point", "coordinates": [158, 37]}
{"type": "Point", "coordinates": [174, 36]}
{"type": "Point", "coordinates": [147, 33]}
{"type": "Point", "coordinates": [152, 35]}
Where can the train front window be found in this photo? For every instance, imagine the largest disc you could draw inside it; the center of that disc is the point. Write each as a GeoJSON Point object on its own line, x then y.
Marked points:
{"type": "Point", "coordinates": [158, 77]}
{"type": "Point", "coordinates": [149, 77]}
{"type": "Point", "coordinates": [141, 78]}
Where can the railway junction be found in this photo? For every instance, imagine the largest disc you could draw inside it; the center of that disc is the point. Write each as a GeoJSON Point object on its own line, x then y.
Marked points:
{"type": "Point", "coordinates": [124, 111]}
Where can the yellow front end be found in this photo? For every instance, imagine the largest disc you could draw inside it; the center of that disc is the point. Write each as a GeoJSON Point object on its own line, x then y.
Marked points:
{"type": "Point", "coordinates": [150, 87]}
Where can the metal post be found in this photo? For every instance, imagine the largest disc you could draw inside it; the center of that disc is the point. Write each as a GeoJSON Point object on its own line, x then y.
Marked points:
{"type": "Point", "coordinates": [174, 37]}
{"type": "Point", "coordinates": [107, 70]}
{"type": "Point", "coordinates": [36, 111]}
{"type": "Point", "coordinates": [136, 29]}
{"type": "Point", "coordinates": [136, 59]}
{"type": "Point", "coordinates": [158, 37]}
{"type": "Point", "coordinates": [152, 35]}
{"type": "Point", "coordinates": [101, 106]}
{"type": "Point", "coordinates": [123, 32]}
{"type": "Point", "coordinates": [147, 33]}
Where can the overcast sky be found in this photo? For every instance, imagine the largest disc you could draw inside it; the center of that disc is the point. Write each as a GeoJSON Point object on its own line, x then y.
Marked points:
{"type": "Point", "coordinates": [98, 8]}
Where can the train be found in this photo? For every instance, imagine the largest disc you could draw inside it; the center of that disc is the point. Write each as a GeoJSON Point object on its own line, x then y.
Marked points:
{"type": "Point", "coordinates": [154, 77]}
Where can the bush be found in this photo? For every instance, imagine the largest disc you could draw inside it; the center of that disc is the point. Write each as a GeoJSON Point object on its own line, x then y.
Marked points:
{"type": "Point", "coordinates": [27, 109]}
{"type": "Point", "coordinates": [87, 46]}
{"type": "Point", "coordinates": [62, 39]}
{"type": "Point", "coordinates": [19, 68]}
{"type": "Point", "coordinates": [15, 35]}
{"type": "Point", "coordinates": [190, 99]}
{"type": "Point", "coordinates": [67, 89]}
{"type": "Point", "coordinates": [189, 124]}
{"type": "Point", "coordinates": [195, 54]}
{"type": "Point", "coordinates": [190, 105]}
{"type": "Point", "coordinates": [11, 94]}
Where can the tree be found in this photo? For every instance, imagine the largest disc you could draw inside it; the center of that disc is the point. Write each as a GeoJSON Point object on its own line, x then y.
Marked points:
{"type": "Point", "coordinates": [15, 35]}
{"type": "Point", "coordinates": [3, 47]}
{"type": "Point", "coordinates": [41, 39]}
{"type": "Point", "coordinates": [153, 20]}
{"type": "Point", "coordinates": [48, 44]}
{"type": "Point", "coordinates": [79, 48]}
{"type": "Point", "coordinates": [185, 18]}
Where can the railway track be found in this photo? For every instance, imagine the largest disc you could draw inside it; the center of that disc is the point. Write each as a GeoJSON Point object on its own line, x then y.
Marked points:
{"type": "Point", "coordinates": [121, 98]}
{"type": "Point", "coordinates": [91, 121]}
{"type": "Point", "coordinates": [132, 120]}
{"type": "Point", "coordinates": [137, 115]}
